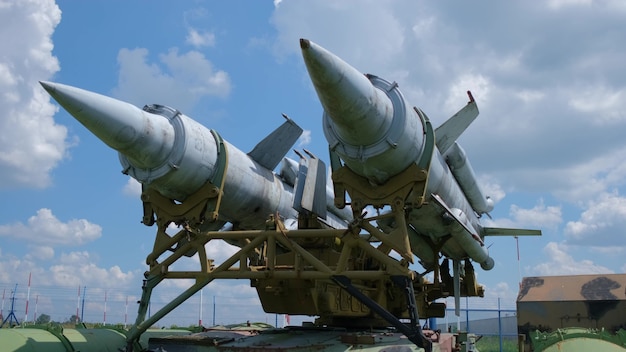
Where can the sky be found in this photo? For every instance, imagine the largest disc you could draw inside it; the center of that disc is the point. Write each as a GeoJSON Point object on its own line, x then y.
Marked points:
{"type": "Point", "coordinates": [548, 76]}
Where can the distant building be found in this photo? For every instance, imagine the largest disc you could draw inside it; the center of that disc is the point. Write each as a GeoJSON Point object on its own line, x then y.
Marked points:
{"type": "Point", "coordinates": [548, 303]}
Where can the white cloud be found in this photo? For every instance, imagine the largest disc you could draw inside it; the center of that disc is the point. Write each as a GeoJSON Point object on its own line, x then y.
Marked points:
{"type": "Point", "coordinates": [602, 224]}
{"type": "Point", "coordinates": [457, 93]}
{"type": "Point", "coordinates": [12, 267]}
{"type": "Point", "coordinates": [79, 268]}
{"type": "Point", "coordinates": [612, 5]}
{"type": "Point", "coordinates": [333, 24]}
{"type": "Point", "coordinates": [55, 281]}
{"type": "Point", "coordinates": [606, 105]}
{"type": "Point", "coordinates": [41, 253]}
{"type": "Point", "coordinates": [305, 138]}
{"type": "Point", "coordinates": [540, 216]}
{"type": "Point", "coordinates": [44, 228]}
{"type": "Point", "coordinates": [502, 291]}
{"type": "Point", "coordinates": [491, 189]}
{"type": "Point", "coordinates": [557, 4]}
{"type": "Point", "coordinates": [200, 38]}
{"type": "Point", "coordinates": [423, 27]}
{"type": "Point", "coordinates": [562, 263]}
{"type": "Point", "coordinates": [31, 143]}
{"type": "Point", "coordinates": [530, 96]}
{"type": "Point", "coordinates": [180, 80]}
{"type": "Point", "coordinates": [132, 188]}
{"type": "Point", "coordinates": [588, 179]}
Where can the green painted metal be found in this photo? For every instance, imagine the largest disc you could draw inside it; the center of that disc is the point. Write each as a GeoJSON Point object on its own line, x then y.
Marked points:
{"type": "Point", "coordinates": [101, 340]}
{"type": "Point", "coordinates": [27, 340]}
{"type": "Point", "coordinates": [242, 337]}
{"type": "Point", "coordinates": [293, 339]}
{"type": "Point", "coordinates": [157, 333]}
{"type": "Point", "coordinates": [65, 340]}
{"type": "Point", "coordinates": [53, 338]}
{"type": "Point", "coordinates": [579, 339]}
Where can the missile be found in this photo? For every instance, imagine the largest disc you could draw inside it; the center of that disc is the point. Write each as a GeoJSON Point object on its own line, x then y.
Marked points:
{"type": "Point", "coordinates": [171, 153]}
{"type": "Point", "coordinates": [370, 126]}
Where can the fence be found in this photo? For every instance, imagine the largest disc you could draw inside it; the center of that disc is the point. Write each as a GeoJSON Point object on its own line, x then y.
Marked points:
{"type": "Point", "coordinates": [481, 316]}
{"type": "Point", "coordinates": [218, 304]}
{"type": "Point", "coordinates": [227, 304]}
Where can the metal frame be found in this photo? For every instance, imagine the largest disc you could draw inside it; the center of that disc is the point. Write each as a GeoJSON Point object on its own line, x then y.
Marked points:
{"type": "Point", "coordinates": [259, 249]}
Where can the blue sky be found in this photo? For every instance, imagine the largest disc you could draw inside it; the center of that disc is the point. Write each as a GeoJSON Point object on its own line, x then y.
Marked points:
{"type": "Point", "coordinates": [548, 145]}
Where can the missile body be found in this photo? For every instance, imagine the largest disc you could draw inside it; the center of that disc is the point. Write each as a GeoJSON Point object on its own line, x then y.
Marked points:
{"type": "Point", "coordinates": [171, 153]}
{"type": "Point", "coordinates": [368, 123]}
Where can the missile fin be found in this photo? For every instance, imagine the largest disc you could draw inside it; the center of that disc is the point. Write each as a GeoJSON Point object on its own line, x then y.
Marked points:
{"type": "Point", "coordinates": [456, 270]}
{"type": "Point", "coordinates": [500, 231]}
{"type": "Point", "coordinates": [449, 211]}
{"type": "Point", "coordinates": [314, 196]}
{"type": "Point", "coordinates": [452, 129]}
{"type": "Point", "coordinates": [289, 171]}
{"type": "Point", "coordinates": [273, 148]}
{"type": "Point", "coordinates": [310, 188]}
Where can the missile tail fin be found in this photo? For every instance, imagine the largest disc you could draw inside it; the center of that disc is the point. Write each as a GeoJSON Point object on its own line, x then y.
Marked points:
{"type": "Point", "coordinates": [500, 231]}
{"type": "Point", "coordinates": [456, 272]}
{"type": "Point", "coordinates": [452, 129]}
{"type": "Point", "coordinates": [273, 148]}
{"type": "Point", "coordinates": [314, 197]}
{"type": "Point", "coordinates": [469, 231]}
{"type": "Point", "coordinates": [310, 188]}
{"type": "Point", "coordinates": [465, 234]}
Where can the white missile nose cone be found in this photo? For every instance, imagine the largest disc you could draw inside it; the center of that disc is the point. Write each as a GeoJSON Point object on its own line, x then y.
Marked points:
{"type": "Point", "coordinates": [70, 98]}
{"type": "Point", "coordinates": [48, 86]}
{"type": "Point", "coordinates": [144, 138]}
{"type": "Point", "coordinates": [359, 112]}
{"type": "Point", "coordinates": [109, 119]}
{"type": "Point", "coordinates": [304, 43]}
{"type": "Point", "coordinates": [62, 94]}
{"type": "Point", "coordinates": [328, 71]}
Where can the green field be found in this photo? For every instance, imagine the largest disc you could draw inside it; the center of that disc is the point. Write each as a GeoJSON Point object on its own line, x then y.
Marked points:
{"type": "Point", "coordinates": [492, 344]}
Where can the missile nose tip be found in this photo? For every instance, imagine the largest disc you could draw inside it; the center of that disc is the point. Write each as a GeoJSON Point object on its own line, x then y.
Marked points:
{"type": "Point", "coordinates": [48, 86]}
{"type": "Point", "coordinates": [304, 43]}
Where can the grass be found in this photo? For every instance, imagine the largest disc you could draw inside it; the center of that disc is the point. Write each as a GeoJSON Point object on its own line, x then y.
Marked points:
{"type": "Point", "coordinates": [492, 344]}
